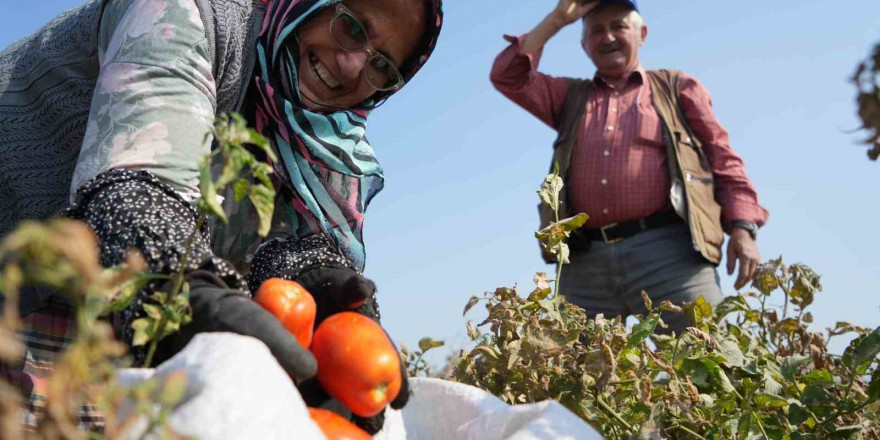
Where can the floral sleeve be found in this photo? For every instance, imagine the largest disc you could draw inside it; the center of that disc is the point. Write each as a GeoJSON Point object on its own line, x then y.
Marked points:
{"type": "Point", "coordinates": [155, 98]}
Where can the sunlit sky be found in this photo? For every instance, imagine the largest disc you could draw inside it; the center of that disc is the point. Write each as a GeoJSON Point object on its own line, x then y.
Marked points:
{"type": "Point", "coordinates": [462, 163]}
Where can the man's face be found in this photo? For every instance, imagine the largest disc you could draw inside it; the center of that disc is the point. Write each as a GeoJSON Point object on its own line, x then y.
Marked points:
{"type": "Point", "coordinates": [612, 41]}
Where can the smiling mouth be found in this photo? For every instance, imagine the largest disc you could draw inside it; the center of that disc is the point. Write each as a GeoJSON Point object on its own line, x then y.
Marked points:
{"type": "Point", "coordinates": [607, 50]}
{"type": "Point", "coordinates": [322, 73]}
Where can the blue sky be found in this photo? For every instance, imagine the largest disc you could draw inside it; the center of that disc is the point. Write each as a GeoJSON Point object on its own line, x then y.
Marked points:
{"type": "Point", "coordinates": [462, 163]}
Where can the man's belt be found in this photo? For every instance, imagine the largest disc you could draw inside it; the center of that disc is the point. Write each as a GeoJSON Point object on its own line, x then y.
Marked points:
{"type": "Point", "coordinates": [617, 232]}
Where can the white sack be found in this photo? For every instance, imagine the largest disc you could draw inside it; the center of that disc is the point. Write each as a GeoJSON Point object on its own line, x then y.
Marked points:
{"type": "Point", "coordinates": [237, 391]}
{"type": "Point", "coordinates": [444, 410]}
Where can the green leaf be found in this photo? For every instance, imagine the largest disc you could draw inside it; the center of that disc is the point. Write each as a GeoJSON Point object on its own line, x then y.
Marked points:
{"type": "Point", "coordinates": [719, 377]}
{"type": "Point", "coordinates": [470, 304]}
{"type": "Point", "coordinates": [730, 304]}
{"type": "Point", "coordinates": [797, 414]}
{"type": "Point", "coordinates": [257, 139]}
{"type": "Point", "coordinates": [698, 311]}
{"type": "Point", "coordinates": [241, 188]}
{"type": "Point", "coordinates": [862, 352]}
{"type": "Point", "coordinates": [732, 354]}
{"type": "Point", "coordinates": [789, 366]}
{"type": "Point", "coordinates": [771, 386]}
{"type": "Point", "coordinates": [426, 344]}
{"type": "Point", "coordinates": [846, 432]}
{"type": "Point", "coordinates": [874, 387]}
{"type": "Point", "coordinates": [770, 401]}
{"type": "Point", "coordinates": [697, 371]}
{"type": "Point", "coordinates": [209, 193]}
{"type": "Point", "coordinates": [573, 223]}
{"type": "Point", "coordinates": [263, 199]}
{"type": "Point", "coordinates": [128, 292]}
{"type": "Point", "coordinates": [818, 377]}
{"type": "Point", "coordinates": [642, 330]}
{"type": "Point", "coordinates": [144, 330]}
{"type": "Point", "coordinates": [153, 311]}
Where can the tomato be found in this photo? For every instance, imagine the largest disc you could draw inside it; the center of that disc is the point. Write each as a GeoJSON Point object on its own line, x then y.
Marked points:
{"type": "Point", "coordinates": [357, 363]}
{"type": "Point", "coordinates": [292, 304]}
{"type": "Point", "coordinates": [335, 427]}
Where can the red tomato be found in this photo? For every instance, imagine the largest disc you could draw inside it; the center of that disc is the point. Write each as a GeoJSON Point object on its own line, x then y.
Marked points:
{"type": "Point", "coordinates": [357, 363]}
{"type": "Point", "coordinates": [335, 427]}
{"type": "Point", "coordinates": [292, 305]}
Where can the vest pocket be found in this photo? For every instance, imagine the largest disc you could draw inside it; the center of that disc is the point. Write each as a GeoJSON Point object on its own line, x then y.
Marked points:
{"type": "Point", "coordinates": [704, 209]}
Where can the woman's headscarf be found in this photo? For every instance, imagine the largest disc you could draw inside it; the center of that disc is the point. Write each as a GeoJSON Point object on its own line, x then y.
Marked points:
{"type": "Point", "coordinates": [325, 158]}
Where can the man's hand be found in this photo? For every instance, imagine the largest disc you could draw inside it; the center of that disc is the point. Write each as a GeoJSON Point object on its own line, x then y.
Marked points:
{"type": "Point", "coordinates": [743, 248]}
{"type": "Point", "coordinates": [565, 13]}
{"type": "Point", "coordinates": [570, 11]}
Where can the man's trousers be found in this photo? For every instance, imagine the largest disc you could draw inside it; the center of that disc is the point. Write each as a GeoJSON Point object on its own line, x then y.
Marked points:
{"type": "Point", "coordinates": [609, 278]}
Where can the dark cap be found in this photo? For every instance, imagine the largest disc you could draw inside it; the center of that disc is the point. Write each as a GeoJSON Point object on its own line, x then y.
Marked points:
{"type": "Point", "coordinates": [632, 4]}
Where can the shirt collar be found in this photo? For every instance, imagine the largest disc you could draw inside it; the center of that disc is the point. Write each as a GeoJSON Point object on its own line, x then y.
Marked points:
{"type": "Point", "coordinates": [636, 75]}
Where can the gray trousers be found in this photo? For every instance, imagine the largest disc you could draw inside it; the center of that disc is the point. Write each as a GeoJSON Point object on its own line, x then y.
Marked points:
{"type": "Point", "coordinates": [609, 278]}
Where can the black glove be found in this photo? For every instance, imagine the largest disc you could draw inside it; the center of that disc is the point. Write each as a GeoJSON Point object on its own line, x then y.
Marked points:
{"type": "Point", "coordinates": [336, 290]}
{"type": "Point", "coordinates": [217, 308]}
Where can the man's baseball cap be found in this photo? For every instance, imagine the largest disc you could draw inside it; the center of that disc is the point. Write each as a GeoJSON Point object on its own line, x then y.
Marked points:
{"type": "Point", "coordinates": [632, 4]}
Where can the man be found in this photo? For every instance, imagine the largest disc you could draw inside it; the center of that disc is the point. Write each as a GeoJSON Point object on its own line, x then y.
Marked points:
{"type": "Point", "coordinates": [643, 155]}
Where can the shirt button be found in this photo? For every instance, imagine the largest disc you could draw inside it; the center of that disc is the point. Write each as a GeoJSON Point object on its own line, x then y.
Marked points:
{"type": "Point", "coordinates": [614, 110]}
{"type": "Point", "coordinates": [604, 181]}
{"type": "Point", "coordinates": [605, 211]}
{"type": "Point", "coordinates": [616, 93]}
{"type": "Point", "coordinates": [610, 128]}
{"type": "Point", "coordinates": [606, 153]}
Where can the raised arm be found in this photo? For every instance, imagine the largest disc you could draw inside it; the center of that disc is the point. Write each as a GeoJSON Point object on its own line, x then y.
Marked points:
{"type": "Point", "coordinates": [515, 72]}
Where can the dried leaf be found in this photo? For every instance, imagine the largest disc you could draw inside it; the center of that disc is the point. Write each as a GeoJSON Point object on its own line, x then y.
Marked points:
{"type": "Point", "coordinates": [426, 344]}
{"type": "Point", "coordinates": [470, 304]}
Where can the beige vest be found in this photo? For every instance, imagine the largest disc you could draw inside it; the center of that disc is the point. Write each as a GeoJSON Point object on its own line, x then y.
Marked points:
{"type": "Point", "coordinates": [693, 188]}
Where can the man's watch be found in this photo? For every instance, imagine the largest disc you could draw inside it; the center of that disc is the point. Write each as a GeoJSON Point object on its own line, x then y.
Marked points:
{"type": "Point", "coordinates": [747, 225]}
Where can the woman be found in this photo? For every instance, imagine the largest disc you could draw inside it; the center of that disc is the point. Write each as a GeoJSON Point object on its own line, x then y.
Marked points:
{"type": "Point", "coordinates": [113, 100]}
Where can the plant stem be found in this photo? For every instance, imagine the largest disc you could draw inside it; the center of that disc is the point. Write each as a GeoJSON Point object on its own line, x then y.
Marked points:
{"type": "Point", "coordinates": [785, 304]}
{"type": "Point", "coordinates": [760, 425]}
{"type": "Point", "coordinates": [841, 412]}
{"type": "Point", "coordinates": [613, 413]}
{"type": "Point", "coordinates": [178, 284]}
{"type": "Point", "coordinates": [689, 431]}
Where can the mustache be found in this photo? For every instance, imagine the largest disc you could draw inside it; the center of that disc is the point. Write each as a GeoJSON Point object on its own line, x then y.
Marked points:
{"type": "Point", "coordinates": [608, 48]}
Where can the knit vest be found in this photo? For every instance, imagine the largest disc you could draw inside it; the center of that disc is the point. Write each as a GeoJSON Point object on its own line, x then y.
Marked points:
{"type": "Point", "coordinates": [689, 169]}
{"type": "Point", "coordinates": [46, 85]}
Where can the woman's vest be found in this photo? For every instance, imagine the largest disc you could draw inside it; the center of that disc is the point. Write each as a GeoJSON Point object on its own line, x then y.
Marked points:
{"type": "Point", "coordinates": [46, 85]}
{"type": "Point", "coordinates": [693, 190]}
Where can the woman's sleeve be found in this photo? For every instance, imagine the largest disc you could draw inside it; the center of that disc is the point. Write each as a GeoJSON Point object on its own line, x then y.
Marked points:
{"type": "Point", "coordinates": [155, 98]}
{"type": "Point", "coordinates": [137, 174]}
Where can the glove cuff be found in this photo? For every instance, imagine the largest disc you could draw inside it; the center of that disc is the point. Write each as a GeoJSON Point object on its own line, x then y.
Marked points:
{"type": "Point", "coordinates": [290, 257]}
{"type": "Point", "coordinates": [133, 209]}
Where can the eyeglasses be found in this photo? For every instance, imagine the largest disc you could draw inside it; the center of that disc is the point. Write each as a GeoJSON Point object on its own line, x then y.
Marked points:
{"type": "Point", "coordinates": [351, 35]}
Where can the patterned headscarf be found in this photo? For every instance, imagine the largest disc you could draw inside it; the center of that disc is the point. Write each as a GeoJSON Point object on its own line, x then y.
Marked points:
{"type": "Point", "coordinates": [324, 157]}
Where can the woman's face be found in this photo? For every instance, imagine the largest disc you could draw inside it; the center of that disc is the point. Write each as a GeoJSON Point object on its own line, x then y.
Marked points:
{"type": "Point", "coordinates": [333, 76]}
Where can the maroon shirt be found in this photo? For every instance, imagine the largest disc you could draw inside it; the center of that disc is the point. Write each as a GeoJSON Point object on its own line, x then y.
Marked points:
{"type": "Point", "coordinates": [618, 168]}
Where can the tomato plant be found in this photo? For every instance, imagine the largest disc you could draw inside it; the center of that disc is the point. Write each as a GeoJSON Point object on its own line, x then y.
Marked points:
{"type": "Point", "coordinates": [292, 304]}
{"type": "Point", "coordinates": [357, 363]}
{"type": "Point", "coordinates": [336, 427]}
